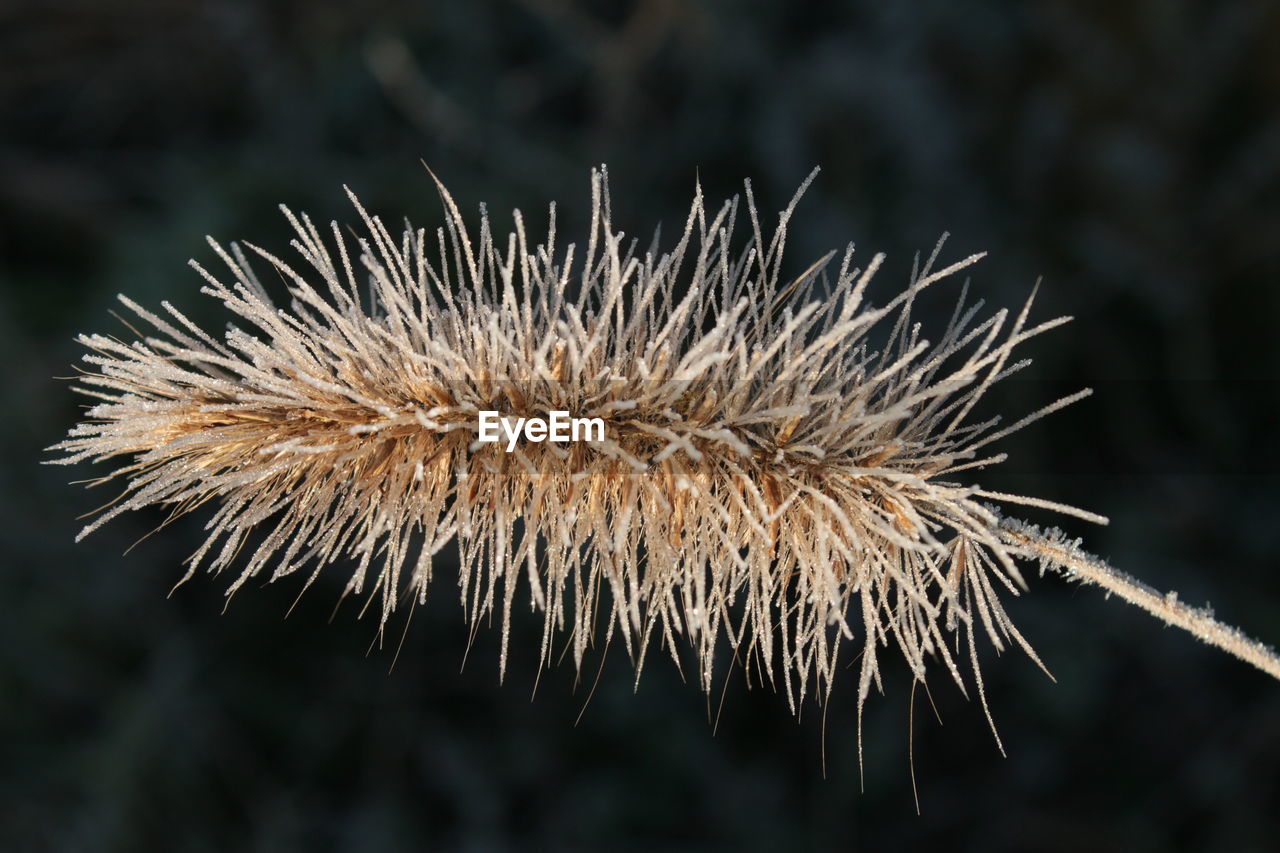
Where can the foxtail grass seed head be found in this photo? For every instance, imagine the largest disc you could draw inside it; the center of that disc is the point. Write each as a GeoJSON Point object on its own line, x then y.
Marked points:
{"type": "Point", "coordinates": [760, 464]}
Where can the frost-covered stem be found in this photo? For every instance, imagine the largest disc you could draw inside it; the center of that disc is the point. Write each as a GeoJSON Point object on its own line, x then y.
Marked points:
{"type": "Point", "coordinates": [1087, 568]}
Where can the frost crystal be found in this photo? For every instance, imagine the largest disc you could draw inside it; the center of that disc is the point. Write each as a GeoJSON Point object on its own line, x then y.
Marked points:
{"type": "Point", "coordinates": [785, 467]}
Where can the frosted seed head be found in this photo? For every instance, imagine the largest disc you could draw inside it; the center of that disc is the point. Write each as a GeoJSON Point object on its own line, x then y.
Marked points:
{"type": "Point", "coordinates": [782, 465]}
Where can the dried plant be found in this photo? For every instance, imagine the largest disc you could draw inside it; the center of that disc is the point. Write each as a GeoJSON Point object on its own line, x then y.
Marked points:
{"type": "Point", "coordinates": [771, 480]}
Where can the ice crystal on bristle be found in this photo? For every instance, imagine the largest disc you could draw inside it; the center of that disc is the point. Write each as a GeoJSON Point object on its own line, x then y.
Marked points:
{"type": "Point", "coordinates": [771, 478]}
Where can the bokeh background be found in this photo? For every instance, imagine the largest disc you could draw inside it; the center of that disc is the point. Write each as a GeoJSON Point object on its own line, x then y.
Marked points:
{"type": "Point", "coordinates": [1129, 153]}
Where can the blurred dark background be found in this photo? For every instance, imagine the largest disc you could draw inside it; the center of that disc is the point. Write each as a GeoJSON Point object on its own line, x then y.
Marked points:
{"type": "Point", "coordinates": [1129, 153]}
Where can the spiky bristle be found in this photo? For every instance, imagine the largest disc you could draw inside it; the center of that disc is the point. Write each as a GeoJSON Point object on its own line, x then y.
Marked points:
{"type": "Point", "coordinates": [784, 468]}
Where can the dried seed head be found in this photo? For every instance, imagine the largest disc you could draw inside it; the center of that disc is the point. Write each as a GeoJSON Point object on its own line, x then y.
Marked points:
{"type": "Point", "coordinates": [784, 466]}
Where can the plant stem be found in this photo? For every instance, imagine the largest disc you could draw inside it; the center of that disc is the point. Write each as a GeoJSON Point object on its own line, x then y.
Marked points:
{"type": "Point", "coordinates": [1087, 568]}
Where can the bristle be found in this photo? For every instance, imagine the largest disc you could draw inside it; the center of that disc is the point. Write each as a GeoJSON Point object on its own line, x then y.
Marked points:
{"type": "Point", "coordinates": [777, 469]}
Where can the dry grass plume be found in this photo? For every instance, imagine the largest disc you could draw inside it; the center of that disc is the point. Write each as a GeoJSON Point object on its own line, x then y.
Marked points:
{"type": "Point", "coordinates": [786, 468]}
